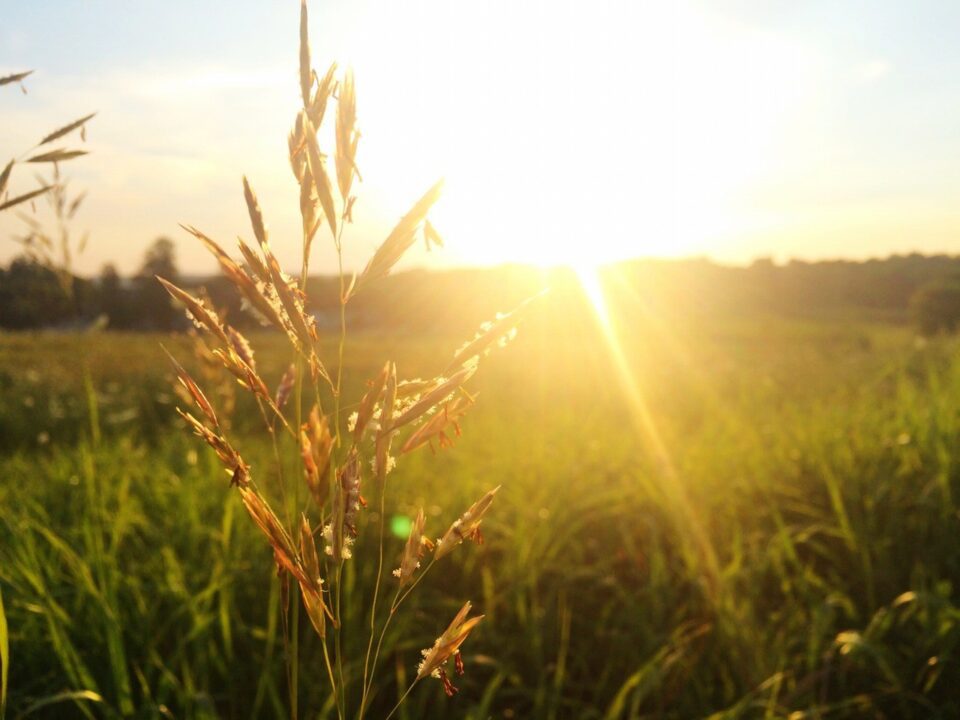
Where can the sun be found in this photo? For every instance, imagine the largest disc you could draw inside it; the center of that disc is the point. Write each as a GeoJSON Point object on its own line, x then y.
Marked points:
{"type": "Point", "coordinates": [571, 133]}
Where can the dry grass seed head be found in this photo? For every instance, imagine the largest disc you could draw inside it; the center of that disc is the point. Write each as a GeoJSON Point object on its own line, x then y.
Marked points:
{"type": "Point", "coordinates": [286, 385]}
{"type": "Point", "coordinates": [321, 181]}
{"type": "Point", "coordinates": [325, 88]}
{"type": "Point", "coordinates": [369, 402]}
{"type": "Point", "coordinates": [384, 434]}
{"type": "Point", "coordinates": [412, 552]}
{"type": "Point", "coordinates": [306, 74]}
{"type": "Point", "coordinates": [442, 389]}
{"type": "Point", "coordinates": [346, 135]}
{"type": "Point", "coordinates": [467, 526]}
{"type": "Point", "coordinates": [316, 448]}
{"type": "Point", "coordinates": [500, 329]}
{"type": "Point", "coordinates": [437, 426]}
{"type": "Point", "coordinates": [266, 519]}
{"type": "Point", "coordinates": [448, 643]}
{"type": "Point", "coordinates": [400, 238]}
{"type": "Point", "coordinates": [312, 590]}
{"type": "Point", "coordinates": [203, 317]}
{"type": "Point", "coordinates": [193, 390]}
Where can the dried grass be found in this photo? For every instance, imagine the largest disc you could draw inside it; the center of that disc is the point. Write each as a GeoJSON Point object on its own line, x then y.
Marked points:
{"type": "Point", "coordinates": [335, 451]}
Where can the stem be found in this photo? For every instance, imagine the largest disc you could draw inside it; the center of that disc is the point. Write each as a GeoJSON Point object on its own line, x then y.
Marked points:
{"type": "Point", "coordinates": [376, 593]}
{"type": "Point", "coordinates": [415, 583]}
{"type": "Point", "coordinates": [333, 682]}
{"type": "Point", "coordinates": [394, 606]}
{"type": "Point", "coordinates": [341, 698]}
{"type": "Point", "coordinates": [402, 698]}
{"type": "Point", "coordinates": [295, 590]}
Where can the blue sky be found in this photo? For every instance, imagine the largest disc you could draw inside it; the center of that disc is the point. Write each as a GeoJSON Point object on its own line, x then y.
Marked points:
{"type": "Point", "coordinates": [567, 131]}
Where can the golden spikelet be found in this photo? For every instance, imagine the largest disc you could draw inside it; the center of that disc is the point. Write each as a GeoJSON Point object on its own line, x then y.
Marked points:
{"type": "Point", "coordinates": [412, 551]}
{"type": "Point", "coordinates": [253, 261]}
{"type": "Point", "coordinates": [316, 449]}
{"type": "Point", "coordinates": [225, 451]}
{"type": "Point", "coordinates": [400, 238]}
{"type": "Point", "coordinates": [312, 590]}
{"type": "Point", "coordinates": [321, 181]}
{"type": "Point", "coordinates": [266, 519]}
{"type": "Point", "coordinates": [384, 434]}
{"type": "Point", "coordinates": [285, 386]}
{"type": "Point", "coordinates": [295, 146]}
{"type": "Point", "coordinates": [499, 330]}
{"type": "Point", "coordinates": [441, 390]}
{"type": "Point", "coordinates": [467, 526]}
{"type": "Point", "coordinates": [256, 215]}
{"type": "Point", "coordinates": [204, 318]}
{"type": "Point", "coordinates": [437, 426]}
{"type": "Point", "coordinates": [306, 73]}
{"type": "Point", "coordinates": [369, 402]}
{"type": "Point", "coordinates": [325, 87]}
{"type": "Point", "coordinates": [346, 135]}
{"type": "Point", "coordinates": [448, 643]}
{"type": "Point", "coordinates": [194, 391]}
{"type": "Point", "coordinates": [239, 277]}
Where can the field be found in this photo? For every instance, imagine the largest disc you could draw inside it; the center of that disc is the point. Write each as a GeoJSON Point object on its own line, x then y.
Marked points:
{"type": "Point", "coordinates": [740, 518]}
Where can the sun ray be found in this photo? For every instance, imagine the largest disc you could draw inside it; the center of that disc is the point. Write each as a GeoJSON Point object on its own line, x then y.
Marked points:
{"type": "Point", "coordinates": [673, 485]}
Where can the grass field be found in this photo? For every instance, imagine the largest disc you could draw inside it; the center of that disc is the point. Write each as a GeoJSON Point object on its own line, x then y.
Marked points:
{"type": "Point", "coordinates": [762, 526]}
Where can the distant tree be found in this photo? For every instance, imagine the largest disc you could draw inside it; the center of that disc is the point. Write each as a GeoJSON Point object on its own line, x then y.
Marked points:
{"type": "Point", "coordinates": [110, 297]}
{"type": "Point", "coordinates": [160, 259]}
{"type": "Point", "coordinates": [31, 296]}
{"type": "Point", "coordinates": [935, 307]}
{"type": "Point", "coordinates": [155, 310]}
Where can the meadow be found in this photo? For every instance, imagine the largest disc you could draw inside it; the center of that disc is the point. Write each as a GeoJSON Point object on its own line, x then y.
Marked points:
{"type": "Point", "coordinates": [722, 517]}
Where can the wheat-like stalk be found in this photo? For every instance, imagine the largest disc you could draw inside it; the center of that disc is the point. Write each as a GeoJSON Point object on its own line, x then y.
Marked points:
{"type": "Point", "coordinates": [53, 248]}
{"type": "Point", "coordinates": [339, 455]}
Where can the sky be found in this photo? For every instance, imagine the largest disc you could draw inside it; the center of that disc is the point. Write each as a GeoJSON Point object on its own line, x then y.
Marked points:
{"type": "Point", "coordinates": [568, 132]}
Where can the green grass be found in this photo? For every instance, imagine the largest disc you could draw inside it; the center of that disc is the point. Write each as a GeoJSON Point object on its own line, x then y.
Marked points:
{"type": "Point", "coordinates": [821, 461]}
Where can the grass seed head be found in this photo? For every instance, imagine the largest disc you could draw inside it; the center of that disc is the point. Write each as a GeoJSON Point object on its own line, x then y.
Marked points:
{"type": "Point", "coordinates": [400, 239]}
{"type": "Point", "coordinates": [369, 402]}
{"type": "Point", "coordinates": [347, 135]}
{"type": "Point", "coordinates": [448, 644]}
{"type": "Point", "coordinates": [412, 552]}
{"type": "Point", "coordinates": [321, 181]}
{"type": "Point", "coordinates": [467, 526]}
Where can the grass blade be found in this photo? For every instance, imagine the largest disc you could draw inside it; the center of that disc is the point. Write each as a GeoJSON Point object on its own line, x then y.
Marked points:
{"type": "Point", "coordinates": [4, 659]}
{"type": "Point", "coordinates": [68, 696]}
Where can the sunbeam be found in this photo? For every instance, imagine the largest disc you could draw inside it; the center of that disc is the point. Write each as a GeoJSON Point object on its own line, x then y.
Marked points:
{"type": "Point", "coordinates": [672, 485]}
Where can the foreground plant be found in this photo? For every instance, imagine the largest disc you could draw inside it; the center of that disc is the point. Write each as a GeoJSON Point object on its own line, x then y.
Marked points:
{"type": "Point", "coordinates": [343, 455]}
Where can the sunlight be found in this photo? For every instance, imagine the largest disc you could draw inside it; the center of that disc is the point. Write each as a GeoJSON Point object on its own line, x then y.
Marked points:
{"type": "Point", "coordinates": [671, 482]}
{"type": "Point", "coordinates": [589, 278]}
{"type": "Point", "coordinates": [584, 136]}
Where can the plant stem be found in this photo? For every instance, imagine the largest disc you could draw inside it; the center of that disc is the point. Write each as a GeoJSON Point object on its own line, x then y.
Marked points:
{"type": "Point", "coordinates": [376, 593]}
{"type": "Point", "coordinates": [397, 599]}
{"type": "Point", "coordinates": [402, 698]}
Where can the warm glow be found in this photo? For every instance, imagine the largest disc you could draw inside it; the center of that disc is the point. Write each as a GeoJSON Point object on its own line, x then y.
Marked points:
{"type": "Point", "coordinates": [572, 133]}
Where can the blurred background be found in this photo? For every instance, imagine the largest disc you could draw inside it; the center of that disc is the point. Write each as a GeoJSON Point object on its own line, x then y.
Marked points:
{"type": "Point", "coordinates": [727, 436]}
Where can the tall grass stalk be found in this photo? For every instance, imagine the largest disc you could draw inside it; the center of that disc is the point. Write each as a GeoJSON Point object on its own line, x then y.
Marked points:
{"type": "Point", "coordinates": [340, 456]}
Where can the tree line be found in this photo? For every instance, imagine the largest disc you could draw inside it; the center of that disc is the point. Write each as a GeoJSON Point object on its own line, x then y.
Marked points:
{"type": "Point", "coordinates": [919, 288]}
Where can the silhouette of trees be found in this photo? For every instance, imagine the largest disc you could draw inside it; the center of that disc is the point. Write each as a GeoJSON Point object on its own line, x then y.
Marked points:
{"type": "Point", "coordinates": [31, 295]}
{"type": "Point", "coordinates": [936, 307]}
{"type": "Point", "coordinates": [925, 289]}
{"type": "Point", "coordinates": [155, 309]}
